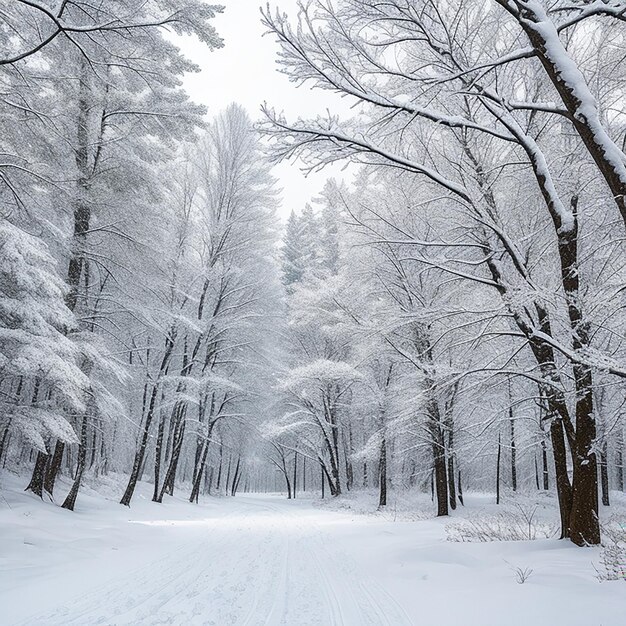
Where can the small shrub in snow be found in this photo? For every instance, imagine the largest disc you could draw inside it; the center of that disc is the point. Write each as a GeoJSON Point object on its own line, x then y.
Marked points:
{"type": "Point", "coordinates": [519, 524]}
{"type": "Point", "coordinates": [613, 553]}
{"type": "Point", "coordinates": [522, 574]}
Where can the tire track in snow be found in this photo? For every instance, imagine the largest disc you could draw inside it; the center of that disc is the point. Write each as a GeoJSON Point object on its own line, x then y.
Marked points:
{"type": "Point", "coordinates": [168, 575]}
{"type": "Point", "coordinates": [381, 608]}
{"type": "Point", "coordinates": [274, 566]}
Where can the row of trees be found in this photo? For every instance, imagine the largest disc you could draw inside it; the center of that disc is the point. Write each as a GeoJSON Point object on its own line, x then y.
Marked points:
{"type": "Point", "coordinates": [137, 273]}
{"type": "Point", "coordinates": [493, 212]}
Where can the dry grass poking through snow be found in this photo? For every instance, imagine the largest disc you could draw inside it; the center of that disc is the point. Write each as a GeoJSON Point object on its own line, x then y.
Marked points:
{"type": "Point", "coordinates": [612, 565]}
{"type": "Point", "coordinates": [516, 522]}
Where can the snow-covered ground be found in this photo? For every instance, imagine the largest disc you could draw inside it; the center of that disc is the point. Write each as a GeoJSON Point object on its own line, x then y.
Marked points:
{"type": "Point", "coordinates": [268, 561]}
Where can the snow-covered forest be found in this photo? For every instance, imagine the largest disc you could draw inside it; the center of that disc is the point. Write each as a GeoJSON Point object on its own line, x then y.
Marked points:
{"type": "Point", "coordinates": [423, 364]}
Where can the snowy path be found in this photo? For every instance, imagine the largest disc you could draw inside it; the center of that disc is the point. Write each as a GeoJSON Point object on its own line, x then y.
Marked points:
{"type": "Point", "coordinates": [260, 562]}
{"type": "Point", "coordinates": [267, 561]}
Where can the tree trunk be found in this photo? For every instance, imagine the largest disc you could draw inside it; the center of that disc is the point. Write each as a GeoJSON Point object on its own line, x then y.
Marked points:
{"type": "Point", "coordinates": [54, 466]}
{"type": "Point", "coordinates": [619, 459]}
{"type": "Point", "coordinates": [70, 500]}
{"type": "Point", "coordinates": [604, 474]}
{"type": "Point", "coordinates": [219, 471]}
{"type": "Point", "coordinates": [295, 473]}
{"type": "Point", "coordinates": [349, 467]}
{"type": "Point", "coordinates": [536, 471]}
{"type": "Point", "coordinates": [451, 486]}
{"type": "Point", "coordinates": [544, 464]}
{"type": "Point", "coordinates": [236, 478]}
{"type": "Point", "coordinates": [382, 468]}
{"type": "Point", "coordinates": [512, 441]}
{"type": "Point", "coordinates": [36, 484]}
{"type": "Point", "coordinates": [157, 456]}
{"type": "Point", "coordinates": [498, 471]}
{"type": "Point", "coordinates": [170, 477]}
{"type": "Point", "coordinates": [584, 522]}
{"type": "Point", "coordinates": [563, 486]}
{"type": "Point", "coordinates": [140, 452]}
{"type": "Point", "coordinates": [460, 490]}
{"type": "Point", "coordinates": [3, 441]}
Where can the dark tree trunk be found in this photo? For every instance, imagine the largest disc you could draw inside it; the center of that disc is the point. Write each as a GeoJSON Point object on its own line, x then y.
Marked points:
{"type": "Point", "coordinates": [432, 485]}
{"type": "Point", "coordinates": [498, 471]}
{"type": "Point", "coordinates": [3, 441]}
{"type": "Point", "coordinates": [544, 465]}
{"type": "Point", "coordinates": [54, 467]}
{"type": "Point", "coordinates": [195, 490]}
{"type": "Point", "coordinates": [619, 460]}
{"type": "Point", "coordinates": [236, 478]}
{"type": "Point", "coordinates": [197, 480]}
{"type": "Point", "coordinates": [140, 452]}
{"type": "Point", "coordinates": [512, 442]}
{"type": "Point", "coordinates": [70, 500]}
{"type": "Point", "coordinates": [604, 474]}
{"type": "Point", "coordinates": [335, 486]}
{"type": "Point", "coordinates": [219, 471]}
{"type": "Point", "coordinates": [536, 471]}
{"type": "Point", "coordinates": [170, 477]}
{"type": "Point", "coordinates": [439, 464]}
{"type": "Point", "coordinates": [563, 486]}
{"type": "Point", "coordinates": [451, 472]}
{"type": "Point", "coordinates": [460, 490]}
{"type": "Point", "coordinates": [382, 467]}
{"type": "Point", "coordinates": [584, 522]}
{"type": "Point", "coordinates": [158, 453]}
{"type": "Point", "coordinates": [349, 467]}
{"type": "Point", "coordinates": [441, 480]}
{"type": "Point", "coordinates": [230, 460]}
{"type": "Point", "coordinates": [37, 479]}
{"type": "Point", "coordinates": [295, 473]}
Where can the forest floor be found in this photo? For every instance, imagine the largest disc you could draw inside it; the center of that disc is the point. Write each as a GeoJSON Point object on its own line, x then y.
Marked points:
{"type": "Point", "coordinates": [264, 560]}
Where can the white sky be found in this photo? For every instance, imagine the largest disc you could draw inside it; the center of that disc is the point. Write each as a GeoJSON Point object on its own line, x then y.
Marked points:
{"type": "Point", "coordinates": [245, 71]}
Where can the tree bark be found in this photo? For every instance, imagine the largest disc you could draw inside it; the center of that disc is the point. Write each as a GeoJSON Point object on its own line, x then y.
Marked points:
{"type": "Point", "coordinates": [498, 471]}
{"type": "Point", "coordinates": [70, 501]}
{"type": "Point", "coordinates": [37, 479]}
{"type": "Point", "coordinates": [619, 459]}
{"type": "Point", "coordinates": [512, 441]}
{"type": "Point", "coordinates": [544, 465]}
{"type": "Point", "coordinates": [295, 473]}
{"type": "Point", "coordinates": [451, 472]}
{"type": "Point", "coordinates": [563, 486]}
{"type": "Point", "coordinates": [439, 457]}
{"type": "Point", "coordinates": [54, 466]}
{"type": "Point", "coordinates": [604, 473]}
{"type": "Point", "coordinates": [382, 467]}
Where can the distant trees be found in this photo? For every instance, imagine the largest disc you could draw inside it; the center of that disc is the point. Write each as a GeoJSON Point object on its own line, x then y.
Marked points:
{"type": "Point", "coordinates": [218, 290]}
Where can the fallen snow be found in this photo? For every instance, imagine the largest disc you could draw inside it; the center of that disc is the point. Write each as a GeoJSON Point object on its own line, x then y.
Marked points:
{"type": "Point", "coordinates": [268, 561]}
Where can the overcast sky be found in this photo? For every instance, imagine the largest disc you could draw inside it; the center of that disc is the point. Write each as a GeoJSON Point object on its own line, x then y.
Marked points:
{"type": "Point", "coordinates": [245, 71]}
